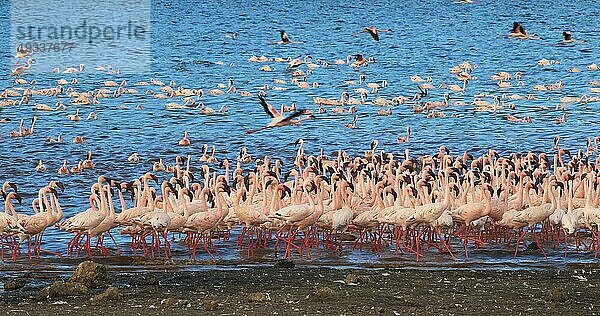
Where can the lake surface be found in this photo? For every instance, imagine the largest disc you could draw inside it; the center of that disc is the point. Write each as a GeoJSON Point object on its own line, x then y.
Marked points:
{"type": "Point", "coordinates": [188, 43]}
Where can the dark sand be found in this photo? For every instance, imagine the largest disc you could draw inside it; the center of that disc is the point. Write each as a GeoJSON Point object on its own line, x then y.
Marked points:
{"type": "Point", "coordinates": [270, 290]}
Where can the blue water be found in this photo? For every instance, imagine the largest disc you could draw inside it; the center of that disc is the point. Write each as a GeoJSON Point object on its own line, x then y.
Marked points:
{"type": "Point", "coordinates": [429, 37]}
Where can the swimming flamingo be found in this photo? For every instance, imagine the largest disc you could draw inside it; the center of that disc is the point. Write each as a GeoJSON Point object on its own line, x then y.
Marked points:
{"type": "Point", "coordinates": [19, 70]}
{"type": "Point", "coordinates": [184, 141]}
{"type": "Point", "coordinates": [406, 138]}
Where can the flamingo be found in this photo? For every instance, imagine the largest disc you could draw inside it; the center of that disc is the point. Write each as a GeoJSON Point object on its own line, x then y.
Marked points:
{"type": "Point", "coordinates": [156, 223]}
{"type": "Point", "coordinates": [212, 158]}
{"type": "Point", "coordinates": [428, 213]}
{"type": "Point", "coordinates": [9, 224]}
{"type": "Point", "coordinates": [82, 223]}
{"type": "Point", "coordinates": [470, 212]}
{"type": "Point", "coordinates": [406, 138]}
{"type": "Point", "coordinates": [204, 157]}
{"type": "Point", "coordinates": [19, 70]}
{"type": "Point", "coordinates": [74, 117]}
{"type": "Point", "coordinates": [536, 214]}
{"type": "Point", "coordinates": [63, 169]}
{"type": "Point", "coordinates": [373, 31]}
{"type": "Point", "coordinates": [36, 224]}
{"type": "Point", "coordinates": [126, 216]}
{"type": "Point", "coordinates": [107, 223]}
{"type": "Point", "coordinates": [184, 141]}
{"type": "Point", "coordinates": [202, 224]}
{"type": "Point", "coordinates": [353, 124]}
{"type": "Point", "coordinates": [299, 216]}
{"type": "Point", "coordinates": [40, 167]}
{"type": "Point", "coordinates": [277, 119]}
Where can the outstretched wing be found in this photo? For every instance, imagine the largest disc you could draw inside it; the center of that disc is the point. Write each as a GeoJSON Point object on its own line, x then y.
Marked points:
{"type": "Point", "coordinates": [373, 33]}
{"type": "Point", "coordinates": [292, 116]}
{"type": "Point", "coordinates": [284, 37]}
{"type": "Point", "coordinates": [271, 111]}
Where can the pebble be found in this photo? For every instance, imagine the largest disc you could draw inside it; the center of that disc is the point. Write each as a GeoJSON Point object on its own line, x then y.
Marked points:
{"type": "Point", "coordinates": [256, 297]}
{"type": "Point", "coordinates": [111, 293]}
{"type": "Point", "coordinates": [210, 305]}
{"type": "Point", "coordinates": [144, 279]}
{"type": "Point", "coordinates": [352, 278]}
{"type": "Point", "coordinates": [174, 302]}
{"type": "Point", "coordinates": [557, 295]}
{"type": "Point", "coordinates": [285, 264]}
{"type": "Point", "coordinates": [14, 284]}
{"type": "Point", "coordinates": [324, 292]}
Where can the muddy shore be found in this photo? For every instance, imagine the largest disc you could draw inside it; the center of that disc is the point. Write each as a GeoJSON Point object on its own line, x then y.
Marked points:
{"type": "Point", "coordinates": [286, 289]}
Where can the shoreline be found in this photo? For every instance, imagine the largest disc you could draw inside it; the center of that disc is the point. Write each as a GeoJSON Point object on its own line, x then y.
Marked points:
{"type": "Point", "coordinates": [269, 290]}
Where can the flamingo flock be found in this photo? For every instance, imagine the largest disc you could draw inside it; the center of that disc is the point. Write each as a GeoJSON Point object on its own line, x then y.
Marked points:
{"type": "Point", "coordinates": [443, 203]}
{"type": "Point", "coordinates": [380, 201]}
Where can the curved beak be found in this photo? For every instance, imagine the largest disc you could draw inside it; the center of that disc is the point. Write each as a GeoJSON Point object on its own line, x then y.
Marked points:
{"type": "Point", "coordinates": [13, 186]}
{"type": "Point", "coordinates": [154, 177]}
{"type": "Point", "coordinates": [227, 188]}
{"type": "Point", "coordinates": [20, 199]}
{"type": "Point", "coordinates": [60, 185]}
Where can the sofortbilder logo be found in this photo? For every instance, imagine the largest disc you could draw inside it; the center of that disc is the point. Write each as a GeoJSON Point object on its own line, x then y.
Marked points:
{"type": "Point", "coordinates": [59, 34]}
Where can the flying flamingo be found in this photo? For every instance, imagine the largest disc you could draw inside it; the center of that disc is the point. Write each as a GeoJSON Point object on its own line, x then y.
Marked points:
{"type": "Point", "coordinates": [373, 31]}
{"type": "Point", "coordinates": [277, 119]}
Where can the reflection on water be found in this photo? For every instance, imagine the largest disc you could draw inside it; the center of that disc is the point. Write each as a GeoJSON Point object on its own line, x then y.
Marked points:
{"type": "Point", "coordinates": [189, 39]}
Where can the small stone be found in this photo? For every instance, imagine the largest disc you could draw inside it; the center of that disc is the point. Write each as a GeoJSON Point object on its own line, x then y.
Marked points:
{"type": "Point", "coordinates": [324, 292]}
{"type": "Point", "coordinates": [91, 274]}
{"type": "Point", "coordinates": [352, 278]}
{"type": "Point", "coordinates": [14, 284]}
{"type": "Point", "coordinates": [557, 295]}
{"type": "Point", "coordinates": [210, 305]}
{"type": "Point", "coordinates": [285, 264]}
{"type": "Point", "coordinates": [174, 302]}
{"type": "Point", "coordinates": [256, 297]}
{"type": "Point", "coordinates": [63, 289]}
{"type": "Point", "coordinates": [169, 302]}
{"type": "Point", "coordinates": [144, 279]}
{"type": "Point", "coordinates": [112, 293]}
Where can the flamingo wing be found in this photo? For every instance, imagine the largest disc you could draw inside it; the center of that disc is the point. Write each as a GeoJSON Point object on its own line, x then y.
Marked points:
{"type": "Point", "coordinates": [269, 109]}
{"type": "Point", "coordinates": [292, 116]}
{"type": "Point", "coordinates": [284, 37]}
{"type": "Point", "coordinates": [373, 32]}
